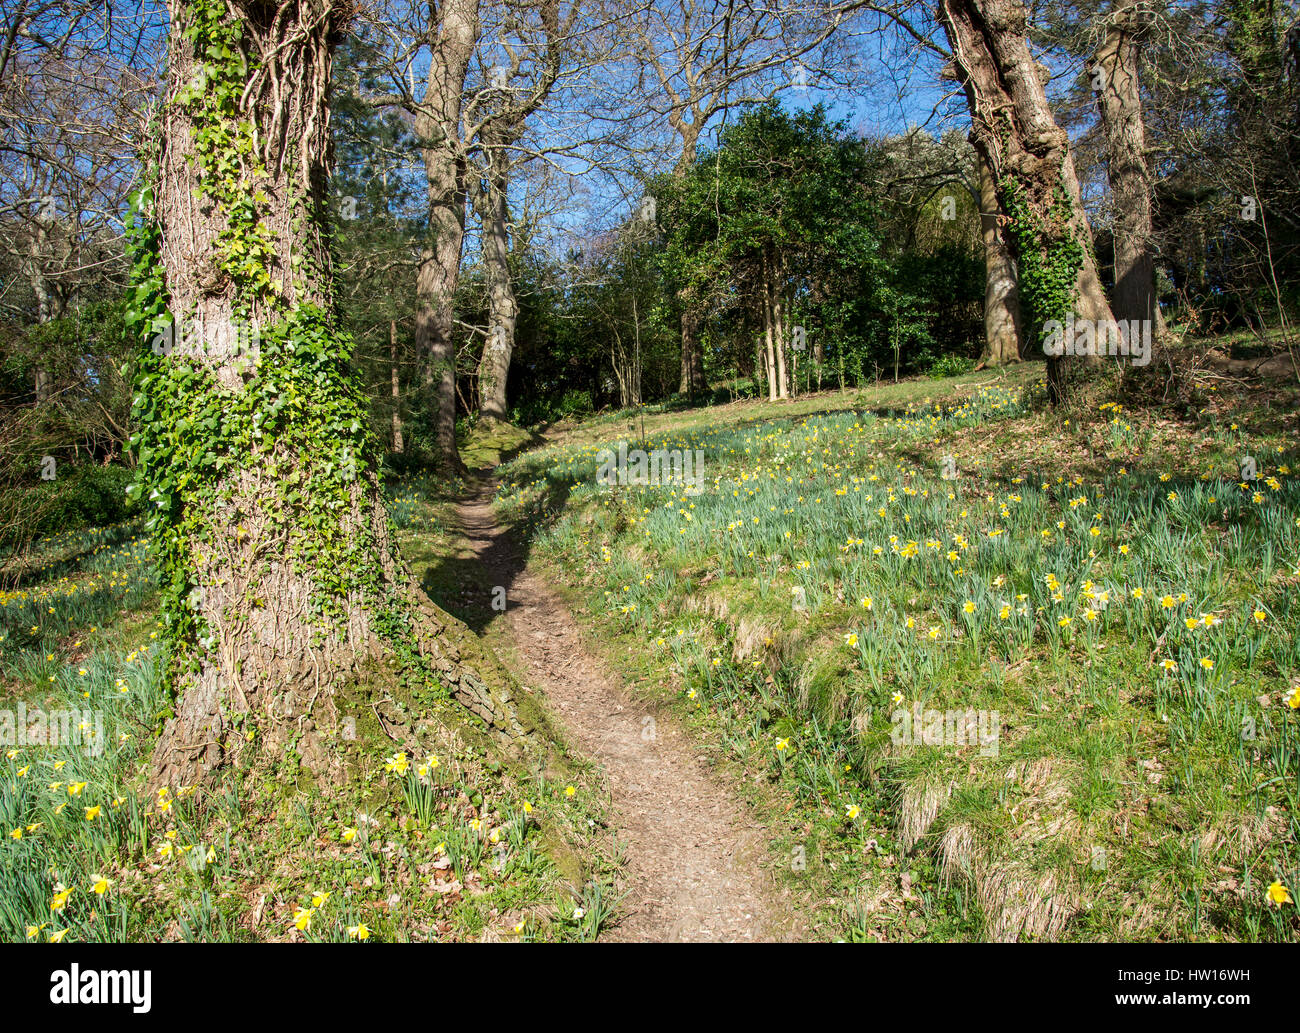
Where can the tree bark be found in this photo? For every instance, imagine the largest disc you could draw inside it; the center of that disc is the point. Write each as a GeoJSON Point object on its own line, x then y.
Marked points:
{"type": "Point", "coordinates": [1002, 331]}
{"type": "Point", "coordinates": [692, 369]}
{"type": "Point", "coordinates": [1013, 129]}
{"type": "Point", "coordinates": [437, 125]}
{"type": "Point", "coordinates": [769, 330]}
{"type": "Point", "coordinates": [778, 333]}
{"type": "Point", "coordinates": [1119, 103]}
{"type": "Point", "coordinates": [692, 380]}
{"type": "Point", "coordinates": [494, 366]}
{"type": "Point", "coordinates": [280, 581]}
{"type": "Point", "coordinates": [398, 444]}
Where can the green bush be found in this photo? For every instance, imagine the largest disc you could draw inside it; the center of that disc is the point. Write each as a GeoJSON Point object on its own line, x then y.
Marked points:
{"type": "Point", "coordinates": [576, 403]}
{"type": "Point", "coordinates": [81, 496]}
{"type": "Point", "coordinates": [949, 366]}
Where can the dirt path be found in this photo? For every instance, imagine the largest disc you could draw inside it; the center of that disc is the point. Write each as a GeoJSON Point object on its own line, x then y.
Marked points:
{"type": "Point", "coordinates": [693, 856]}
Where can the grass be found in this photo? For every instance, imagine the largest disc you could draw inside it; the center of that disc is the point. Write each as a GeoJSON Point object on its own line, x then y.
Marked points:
{"type": "Point", "coordinates": [1101, 594]}
{"type": "Point", "coordinates": [1102, 591]}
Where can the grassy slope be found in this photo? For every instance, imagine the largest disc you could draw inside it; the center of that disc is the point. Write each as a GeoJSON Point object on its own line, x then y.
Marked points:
{"type": "Point", "coordinates": [829, 574]}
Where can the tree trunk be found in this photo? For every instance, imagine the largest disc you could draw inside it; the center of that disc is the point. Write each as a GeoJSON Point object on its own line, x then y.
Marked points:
{"type": "Point", "coordinates": [692, 381]}
{"type": "Point", "coordinates": [692, 377]}
{"type": "Point", "coordinates": [398, 444]}
{"type": "Point", "coordinates": [437, 125]}
{"type": "Point", "coordinates": [1012, 128]}
{"type": "Point", "coordinates": [494, 367]}
{"type": "Point", "coordinates": [1002, 331]}
{"type": "Point", "coordinates": [280, 582]}
{"type": "Point", "coordinates": [1119, 103]}
{"type": "Point", "coordinates": [778, 332]}
{"type": "Point", "coordinates": [769, 335]}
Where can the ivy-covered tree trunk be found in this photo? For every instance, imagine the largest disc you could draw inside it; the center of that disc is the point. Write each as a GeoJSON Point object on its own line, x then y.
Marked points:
{"type": "Point", "coordinates": [437, 124]}
{"type": "Point", "coordinates": [280, 578]}
{"type": "Point", "coordinates": [1119, 103]}
{"type": "Point", "coordinates": [1012, 128]}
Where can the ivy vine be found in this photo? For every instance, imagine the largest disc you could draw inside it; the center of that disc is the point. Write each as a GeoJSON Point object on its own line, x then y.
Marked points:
{"type": "Point", "coordinates": [296, 415]}
{"type": "Point", "coordinates": [1049, 252]}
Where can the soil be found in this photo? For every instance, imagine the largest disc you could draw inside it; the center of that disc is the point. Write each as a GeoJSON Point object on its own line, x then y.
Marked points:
{"type": "Point", "coordinates": [694, 868]}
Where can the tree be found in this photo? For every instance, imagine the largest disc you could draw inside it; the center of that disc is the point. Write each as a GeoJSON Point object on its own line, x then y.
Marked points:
{"type": "Point", "coordinates": [1003, 331]}
{"type": "Point", "coordinates": [1115, 75]}
{"type": "Point", "coordinates": [775, 222]}
{"type": "Point", "coordinates": [706, 60]}
{"type": "Point", "coordinates": [455, 30]}
{"type": "Point", "coordinates": [280, 581]}
{"type": "Point", "coordinates": [1013, 129]}
{"type": "Point", "coordinates": [514, 91]}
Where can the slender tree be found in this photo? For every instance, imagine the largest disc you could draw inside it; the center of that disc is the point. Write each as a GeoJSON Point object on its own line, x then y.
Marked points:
{"type": "Point", "coordinates": [1115, 77]}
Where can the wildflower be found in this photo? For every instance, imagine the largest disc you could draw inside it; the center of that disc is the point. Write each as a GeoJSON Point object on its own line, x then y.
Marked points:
{"type": "Point", "coordinates": [570, 791]}
{"type": "Point", "coordinates": [100, 884]}
{"type": "Point", "coordinates": [92, 812]}
{"type": "Point", "coordinates": [850, 639]}
{"type": "Point", "coordinates": [358, 932]}
{"type": "Point", "coordinates": [61, 895]}
{"type": "Point", "coordinates": [782, 745]}
{"type": "Point", "coordinates": [1278, 895]}
{"type": "Point", "coordinates": [1207, 663]}
{"type": "Point", "coordinates": [303, 918]}
{"type": "Point", "coordinates": [851, 812]}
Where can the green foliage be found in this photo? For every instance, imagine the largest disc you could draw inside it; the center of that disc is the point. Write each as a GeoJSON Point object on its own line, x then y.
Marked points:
{"type": "Point", "coordinates": [80, 497]}
{"type": "Point", "coordinates": [1050, 256]}
{"type": "Point", "coordinates": [950, 366]}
